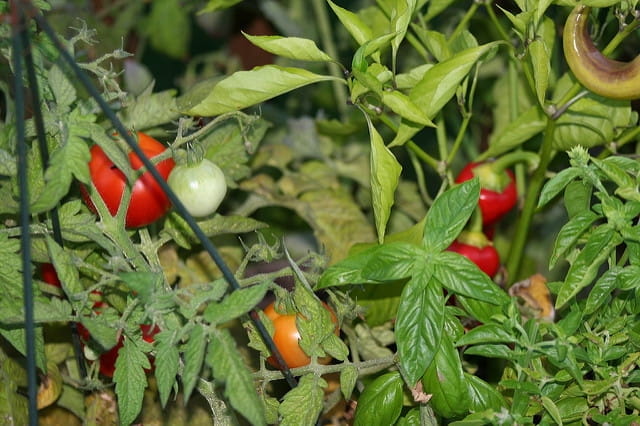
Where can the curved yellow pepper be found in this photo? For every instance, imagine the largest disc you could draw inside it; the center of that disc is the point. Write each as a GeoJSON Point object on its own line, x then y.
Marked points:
{"type": "Point", "coordinates": [603, 76]}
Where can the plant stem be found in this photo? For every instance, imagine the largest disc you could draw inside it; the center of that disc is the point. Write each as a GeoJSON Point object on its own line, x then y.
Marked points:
{"type": "Point", "coordinates": [364, 368]}
{"type": "Point", "coordinates": [339, 91]}
{"type": "Point", "coordinates": [464, 21]}
{"type": "Point", "coordinates": [524, 223]}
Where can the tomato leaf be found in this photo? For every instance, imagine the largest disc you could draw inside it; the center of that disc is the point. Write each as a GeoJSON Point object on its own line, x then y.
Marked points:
{"type": "Point", "coordinates": [385, 174]}
{"type": "Point", "coordinates": [143, 283]}
{"type": "Point", "coordinates": [130, 380]}
{"type": "Point", "coordinates": [381, 401]}
{"type": "Point", "coordinates": [167, 361]}
{"type": "Point", "coordinates": [449, 214]}
{"type": "Point", "coordinates": [296, 48]}
{"type": "Point", "coordinates": [446, 383]}
{"type": "Point", "coordinates": [229, 368]}
{"type": "Point", "coordinates": [247, 88]}
{"type": "Point", "coordinates": [235, 304]}
{"type": "Point", "coordinates": [459, 275]}
{"type": "Point", "coordinates": [303, 404]}
{"type": "Point", "coordinates": [419, 323]}
{"type": "Point", "coordinates": [348, 379]}
{"type": "Point", "coordinates": [194, 351]}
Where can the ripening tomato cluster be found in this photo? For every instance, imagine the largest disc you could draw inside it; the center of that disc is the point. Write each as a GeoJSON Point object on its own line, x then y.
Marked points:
{"type": "Point", "coordinates": [200, 187]}
{"type": "Point", "coordinates": [498, 195]}
{"type": "Point", "coordinates": [286, 337]}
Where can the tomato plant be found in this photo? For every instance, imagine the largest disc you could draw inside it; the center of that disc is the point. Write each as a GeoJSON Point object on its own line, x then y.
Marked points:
{"type": "Point", "coordinates": [49, 275]}
{"type": "Point", "coordinates": [341, 151]}
{"type": "Point", "coordinates": [201, 187]}
{"type": "Point", "coordinates": [286, 337]}
{"type": "Point", "coordinates": [148, 201]}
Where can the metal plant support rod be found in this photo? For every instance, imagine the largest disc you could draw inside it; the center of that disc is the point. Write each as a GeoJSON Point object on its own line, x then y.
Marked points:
{"type": "Point", "coordinates": [19, 34]}
{"type": "Point", "coordinates": [124, 133]}
{"type": "Point", "coordinates": [44, 158]}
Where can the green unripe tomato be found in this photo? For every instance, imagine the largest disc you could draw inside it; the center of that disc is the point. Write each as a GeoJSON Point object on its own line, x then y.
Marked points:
{"type": "Point", "coordinates": [200, 187]}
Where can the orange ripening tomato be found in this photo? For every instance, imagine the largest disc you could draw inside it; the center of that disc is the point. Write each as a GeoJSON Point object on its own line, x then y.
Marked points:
{"type": "Point", "coordinates": [148, 201]}
{"type": "Point", "coordinates": [286, 337]}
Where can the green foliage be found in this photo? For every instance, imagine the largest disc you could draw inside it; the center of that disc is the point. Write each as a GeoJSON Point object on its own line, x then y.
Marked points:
{"type": "Point", "coordinates": [355, 178]}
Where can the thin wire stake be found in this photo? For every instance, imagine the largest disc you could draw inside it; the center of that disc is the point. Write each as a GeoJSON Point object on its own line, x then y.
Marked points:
{"type": "Point", "coordinates": [18, 36]}
{"type": "Point", "coordinates": [124, 133]}
{"type": "Point", "coordinates": [44, 157]}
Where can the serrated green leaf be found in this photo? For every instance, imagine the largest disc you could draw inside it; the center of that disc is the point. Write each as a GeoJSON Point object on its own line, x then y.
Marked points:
{"type": "Point", "coordinates": [445, 381]}
{"type": "Point", "coordinates": [381, 401]}
{"type": "Point", "coordinates": [247, 88]}
{"type": "Point", "coordinates": [228, 368]}
{"type": "Point", "coordinates": [235, 304]}
{"type": "Point", "coordinates": [194, 351]}
{"type": "Point", "coordinates": [167, 361]}
{"type": "Point", "coordinates": [302, 405]}
{"type": "Point", "coordinates": [419, 323]}
{"type": "Point", "coordinates": [63, 90]}
{"type": "Point", "coordinates": [461, 276]}
{"type": "Point", "coordinates": [556, 184]}
{"type": "Point", "coordinates": [67, 272]}
{"type": "Point", "coordinates": [143, 283]}
{"type": "Point", "coordinates": [69, 160]}
{"type": "Point", "coordinates": [348, 379]}
{"type": "Point", "coordinates": [301, 49]}
{"type": "Point", "coordinates": [584, 269]}
{"type": "Point", "coordinates": [130, 380]}
{"type": "Point", "coordinates": [570, 233]}
{"type": "Point", "coordinates": [150, 109]}
{"type": "Point", "coordinates": [385, 175]}
{"type": "Point", "coordinates": [449, 214]}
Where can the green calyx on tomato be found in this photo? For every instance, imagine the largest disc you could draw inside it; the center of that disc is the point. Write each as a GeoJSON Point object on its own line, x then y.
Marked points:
{"type": "Point", "coordinates": [148, 201]}
{"type": "Point", "coordinates": [286, 337]}
{"type": "Point", "coordinates": [201, 186]}
{"type": "Point", "coordinates": [476, 247]}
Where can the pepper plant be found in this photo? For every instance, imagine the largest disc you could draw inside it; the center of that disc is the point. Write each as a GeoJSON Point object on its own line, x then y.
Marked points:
{"type": "Point", "coordinates": [339, 153]}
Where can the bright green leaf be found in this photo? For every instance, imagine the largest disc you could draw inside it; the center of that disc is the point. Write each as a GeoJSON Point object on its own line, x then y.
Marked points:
{"type": "Point", "coordinates": [296, 48]}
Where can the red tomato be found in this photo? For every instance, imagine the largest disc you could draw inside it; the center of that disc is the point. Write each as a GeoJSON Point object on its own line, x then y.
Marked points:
{"type": "Point", "coordinates": [286, 337]}
{"type": "Point", "coordinates": [148, 201]}
{"type": "Point", "coordinates": [108, 359]}
{"type": "Point", "coordinates": [49, 274]}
